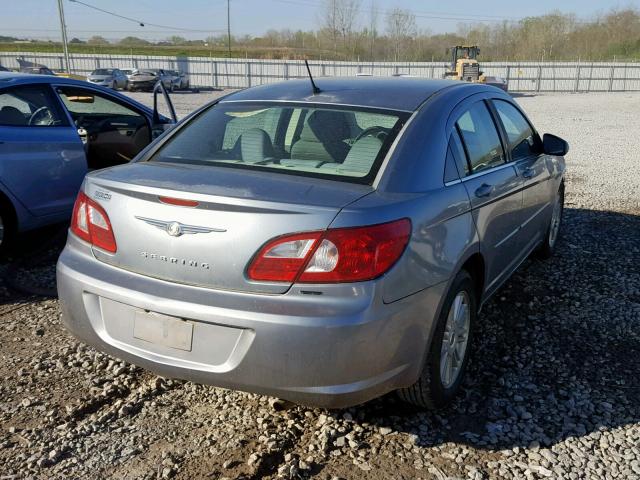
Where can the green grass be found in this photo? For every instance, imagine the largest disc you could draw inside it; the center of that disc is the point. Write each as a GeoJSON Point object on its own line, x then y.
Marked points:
{"type": "Point", "coordinates": [156, 50]}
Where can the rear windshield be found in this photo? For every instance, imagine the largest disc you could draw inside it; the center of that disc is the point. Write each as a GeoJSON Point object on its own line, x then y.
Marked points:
{"type": "Point", "coordinates": [103, 71]}
{"type": "Point", "coordinates": [344, 143]}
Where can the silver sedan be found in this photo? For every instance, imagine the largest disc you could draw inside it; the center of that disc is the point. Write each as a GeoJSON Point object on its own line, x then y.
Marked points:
{"type": "Point", "coordinates": [324, 245]}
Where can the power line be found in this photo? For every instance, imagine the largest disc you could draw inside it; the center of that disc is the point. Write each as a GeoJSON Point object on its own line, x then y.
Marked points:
{"type": "Point", "coordinates": [139, 22]}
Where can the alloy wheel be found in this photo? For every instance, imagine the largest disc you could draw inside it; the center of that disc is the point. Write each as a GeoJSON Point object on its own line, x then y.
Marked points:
{"type": "Point", "coordinates": [455, 339]}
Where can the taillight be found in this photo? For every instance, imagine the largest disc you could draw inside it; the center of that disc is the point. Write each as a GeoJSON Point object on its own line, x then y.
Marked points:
{"type": "Point", "coordinates": [91, 223]}
{"type": "Point", "coordinates": [336, 255]}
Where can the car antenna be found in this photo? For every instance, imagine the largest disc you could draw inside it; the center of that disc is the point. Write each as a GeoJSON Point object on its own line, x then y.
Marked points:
{"type": "Point", "coordinates": [316, 90]}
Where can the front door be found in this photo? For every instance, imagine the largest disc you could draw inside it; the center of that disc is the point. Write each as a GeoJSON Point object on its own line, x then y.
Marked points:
{"type": "Point", "coordinates": [42, 159]}
{"type": "Point", "coordinates": [525, 150]}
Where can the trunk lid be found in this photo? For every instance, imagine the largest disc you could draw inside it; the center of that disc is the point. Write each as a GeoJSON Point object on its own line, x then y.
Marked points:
{"type": "Point", "coordinates": [212, 244]}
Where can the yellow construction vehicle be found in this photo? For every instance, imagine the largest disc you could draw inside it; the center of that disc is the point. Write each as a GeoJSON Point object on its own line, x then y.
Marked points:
{"type": "Point", "coordinates": [465, 67]}
{"type": "Point", "coordinates": [464, 64]}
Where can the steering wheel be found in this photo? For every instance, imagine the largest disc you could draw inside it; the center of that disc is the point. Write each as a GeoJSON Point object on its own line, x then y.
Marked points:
{"type": "Point", "coordinates": [375, 131]}
{"type": "Point", "coordinates": [42, 116]}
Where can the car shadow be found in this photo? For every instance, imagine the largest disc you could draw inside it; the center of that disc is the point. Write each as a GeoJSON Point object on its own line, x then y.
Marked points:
{"type": "Point", "coordinates": [556, 350]}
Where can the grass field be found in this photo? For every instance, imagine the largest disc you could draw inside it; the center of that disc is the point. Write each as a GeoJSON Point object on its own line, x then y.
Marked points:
{"type": "Point", "coordinates": [159, 50]}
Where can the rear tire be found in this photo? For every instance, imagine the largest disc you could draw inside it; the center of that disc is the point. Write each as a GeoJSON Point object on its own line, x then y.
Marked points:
{"type": "Point", "coordinates": [448, 356]}
{"type": "Point", "coordinates": [7, 228]}
{"type": "Point", "coordinates": [548, 245]}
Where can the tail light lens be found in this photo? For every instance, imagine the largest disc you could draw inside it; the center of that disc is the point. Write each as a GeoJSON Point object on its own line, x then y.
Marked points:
{"type": "Point", "coordinates": [91, 223]}
{"type": "Point", "coordinates": [333, 256]}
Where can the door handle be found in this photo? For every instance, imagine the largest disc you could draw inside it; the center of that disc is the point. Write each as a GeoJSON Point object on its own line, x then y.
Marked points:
{"type": "Point", "coordinates": [484, 190]}
{"type": "Point", "coordinates": [528, 173]}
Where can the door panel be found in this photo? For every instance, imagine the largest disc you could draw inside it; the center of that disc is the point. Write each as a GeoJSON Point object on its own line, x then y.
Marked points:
{"type": "Point", "coordinates": [42, 160]}
{"type": "Point", "coordinates": [525, 149]}
{"type": "Point", "coordinates": [496, 200]}
{"type": "Point", "coordinates": [42, 166]}
{"type": "Point", "coordinates": [536, 197]}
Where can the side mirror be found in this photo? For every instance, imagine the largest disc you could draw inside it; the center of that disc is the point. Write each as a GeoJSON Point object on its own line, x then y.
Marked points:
{"type": "Point", "coordinates": [553, 145]}
{"type": "Point", "coordinates": [160, 122]}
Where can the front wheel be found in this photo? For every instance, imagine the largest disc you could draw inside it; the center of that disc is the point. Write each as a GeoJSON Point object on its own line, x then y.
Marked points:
{"type": "Point", "coordinates": [446, 362]}
{"type": "Point", "coordinates": [548, 245]}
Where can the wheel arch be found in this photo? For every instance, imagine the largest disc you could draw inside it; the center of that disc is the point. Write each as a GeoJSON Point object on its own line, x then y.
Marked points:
{"type": "Point", "coordinates": [475, 266]}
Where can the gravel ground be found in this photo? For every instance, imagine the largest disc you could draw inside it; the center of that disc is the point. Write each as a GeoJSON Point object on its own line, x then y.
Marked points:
{"type": "Point", "coordinates": [553, 388]}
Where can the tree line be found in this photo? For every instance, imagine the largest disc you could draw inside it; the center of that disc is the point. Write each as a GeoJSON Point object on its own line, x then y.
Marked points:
{"type": "Point", "coordinates": [353, 30]}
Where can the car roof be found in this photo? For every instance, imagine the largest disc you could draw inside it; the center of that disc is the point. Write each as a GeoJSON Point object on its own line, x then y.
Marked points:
{"type": "Point", "coordinates": [394, 93]}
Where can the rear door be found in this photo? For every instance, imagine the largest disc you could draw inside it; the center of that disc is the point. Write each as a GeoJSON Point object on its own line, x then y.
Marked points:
{"type": "Point", "coordinates": [494, 188]}
{"type": "Point", "coordinates": [525, 150]}
{"type": "Point", "coordinates": [42, 159]}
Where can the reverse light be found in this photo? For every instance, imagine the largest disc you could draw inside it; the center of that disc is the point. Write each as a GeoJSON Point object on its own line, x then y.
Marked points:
{"type": "Point", "coordinates": [336, 255]}
{"type": "Point", "coordinates": [91, 223]}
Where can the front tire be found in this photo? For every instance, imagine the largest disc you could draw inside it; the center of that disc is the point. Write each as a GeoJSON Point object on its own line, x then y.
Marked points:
{"type": "Point", "coordinates": [548, 245]}
{"type": "Point", "coordinates": [448, 356]}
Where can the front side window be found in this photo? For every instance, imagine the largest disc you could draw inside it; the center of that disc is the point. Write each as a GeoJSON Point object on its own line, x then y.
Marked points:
{"type": "Point", "coordinates": [522, 139]}
{"type": "Point", "coordinates": [346, 143]}
{"type": "Point", "coordinates": [30, 106]}
{"type": "Point", "coordinates": [480, 138]}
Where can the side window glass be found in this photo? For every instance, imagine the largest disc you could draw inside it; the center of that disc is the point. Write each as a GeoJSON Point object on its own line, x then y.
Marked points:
{"type": "Point", "coordinates": [521, 137]}
{"type": "Point", "coordinates": [480, 138]}
{"type": "Point", "coordinates": [30, 106]}
{"type": "Point", "coordinates": [457, 150]}
{"type": "Point", "coordinates": [86, 104]}
{"type": "Point", "coordinates": [450, 169]}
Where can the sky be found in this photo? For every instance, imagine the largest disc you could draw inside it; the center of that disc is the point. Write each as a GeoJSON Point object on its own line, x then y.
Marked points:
{"type": "Point", "coordinates": [201, 18]}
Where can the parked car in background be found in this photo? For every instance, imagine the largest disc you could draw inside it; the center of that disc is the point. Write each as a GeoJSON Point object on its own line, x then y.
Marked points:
{"type": "Point", "coordinates": [325, 246]}
{"type": "Point", "coordinates": [52, 131]}
{"type": "Point", "coordinates": [128, 72]}
{"type": "Point", "coordinates": [108, 77]}
{"type": "Point", "coordinates": [179, 80]}
{"type": "Point", "coordinates": [37, 70]}
{"type": "Point", "coordinates": [145, 79]}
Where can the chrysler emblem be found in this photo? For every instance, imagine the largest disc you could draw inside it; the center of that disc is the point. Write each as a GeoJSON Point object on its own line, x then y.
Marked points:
{"type": "Point", "coordinates": [176, 229]}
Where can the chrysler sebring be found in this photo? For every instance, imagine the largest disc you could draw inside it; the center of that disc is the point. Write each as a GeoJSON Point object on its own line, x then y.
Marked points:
{"type": "Point", "coordinates": [324, 245]}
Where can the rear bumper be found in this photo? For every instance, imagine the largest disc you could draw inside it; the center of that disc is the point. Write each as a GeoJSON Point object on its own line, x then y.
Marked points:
{"type": "Point", "coordinates": [333, 350]}
{"type": "Point", "coordinates": [148, 85]}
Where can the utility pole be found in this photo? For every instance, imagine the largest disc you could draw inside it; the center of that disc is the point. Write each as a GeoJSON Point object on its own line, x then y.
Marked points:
{"type": "Point", "coordinates": [228, 27]}
{"type": "Point", "coordinates": [63, 28]}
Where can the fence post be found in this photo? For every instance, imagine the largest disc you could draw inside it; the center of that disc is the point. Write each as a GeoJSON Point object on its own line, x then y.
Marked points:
{"type": "Point", "coordinates": [324, 70]}
{"type": "Point", "coordinates": [286, 70]}
{"type": "Point", "coordinates": [508, 76]}
{"type": "Point", "coordinates": [611, 77]}
{"type": "Point", "coordinates": [539, 78]}
{"type": "Point", "coordinates": [248, 75]}
{"type": "Point", "coordinates": [432, 71]}
{"type": "Point", "coordinates": [214, 73]}
{"type": "Point", "coordinates": [576, 86]}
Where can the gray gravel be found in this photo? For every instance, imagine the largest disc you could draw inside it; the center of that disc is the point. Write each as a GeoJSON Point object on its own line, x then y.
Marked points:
{"type": "Point", "coordinates": [552, 391]}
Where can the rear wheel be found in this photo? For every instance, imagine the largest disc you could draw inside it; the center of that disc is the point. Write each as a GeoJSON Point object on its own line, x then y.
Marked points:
{"type": "Point", "coordinates": [548, 246]}
{"type": "Point", "coordinates": [446, 362]}
{"type": "Point", "coordinates": [7, 228]}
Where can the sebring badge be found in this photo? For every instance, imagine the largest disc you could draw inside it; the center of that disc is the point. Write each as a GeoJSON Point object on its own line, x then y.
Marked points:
{"type": "Point", "coordinates": [175, 229]}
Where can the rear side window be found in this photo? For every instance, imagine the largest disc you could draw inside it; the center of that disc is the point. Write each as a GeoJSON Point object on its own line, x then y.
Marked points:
{"type": "Point", "coordinates": [30, 106]}
{"type": "Point", "coordinates": [307, 140]}
{"type": "Point", "coordinates": [522, 139]}
{"type": "Point", "coordinates": [480, 137]}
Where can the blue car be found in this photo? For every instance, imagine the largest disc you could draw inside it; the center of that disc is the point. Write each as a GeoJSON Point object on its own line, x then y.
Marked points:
{"type": "Point", "coordinates": [54, 130]}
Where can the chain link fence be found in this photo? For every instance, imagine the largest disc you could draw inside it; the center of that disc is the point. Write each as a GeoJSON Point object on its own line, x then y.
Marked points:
{"type": "Point", "coordinates": [240, 73]}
